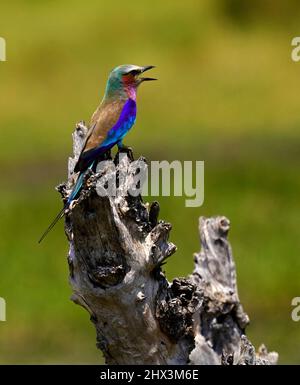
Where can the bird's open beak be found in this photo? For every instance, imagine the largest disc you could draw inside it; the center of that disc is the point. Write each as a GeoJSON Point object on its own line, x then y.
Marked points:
{"type": "Point", "coordinates": [144, 69]}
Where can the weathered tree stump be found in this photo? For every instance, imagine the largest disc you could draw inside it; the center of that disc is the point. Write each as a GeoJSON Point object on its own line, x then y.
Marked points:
{"type": "Point", "coordinates": [117, 247]}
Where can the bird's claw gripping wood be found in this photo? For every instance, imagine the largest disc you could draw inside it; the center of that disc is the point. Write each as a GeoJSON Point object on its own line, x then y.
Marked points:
{"type": "Point", "coordinates": [126, 150]}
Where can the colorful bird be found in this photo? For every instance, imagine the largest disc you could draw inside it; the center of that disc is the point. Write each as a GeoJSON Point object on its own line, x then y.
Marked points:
{"type": "Point", "coordinates": [109, 124]}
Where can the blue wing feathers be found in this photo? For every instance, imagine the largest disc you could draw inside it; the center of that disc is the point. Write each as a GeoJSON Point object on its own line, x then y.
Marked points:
{"type": "Point", "coordinates": [123, 125]}
{"type": "Point", "coordinates": [116, 133]}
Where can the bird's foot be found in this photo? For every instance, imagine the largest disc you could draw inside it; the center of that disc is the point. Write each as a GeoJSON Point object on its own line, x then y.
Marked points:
{"type": "Point", "coordinates": [127, 150]}
{"type": "Point", "coordinates": [107, 155]}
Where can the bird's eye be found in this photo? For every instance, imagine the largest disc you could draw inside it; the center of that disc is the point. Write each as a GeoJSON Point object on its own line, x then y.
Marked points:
{"type": "Point", "coordinates": [133, 72]}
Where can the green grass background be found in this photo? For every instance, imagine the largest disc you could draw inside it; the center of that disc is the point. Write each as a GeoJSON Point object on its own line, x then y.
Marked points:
{"type": "Point", "coordinates": [228, 94]}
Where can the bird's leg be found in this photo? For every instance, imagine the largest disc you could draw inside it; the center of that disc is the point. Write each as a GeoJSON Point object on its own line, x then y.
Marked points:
{"type": "Point", "coordinates": [127, 150]}
{"type": "Point", "coordinates": [105, 156]}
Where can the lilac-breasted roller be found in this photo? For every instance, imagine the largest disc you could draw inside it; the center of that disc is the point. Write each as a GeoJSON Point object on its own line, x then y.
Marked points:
{"type": "Point", "coordinates": [109, 124]}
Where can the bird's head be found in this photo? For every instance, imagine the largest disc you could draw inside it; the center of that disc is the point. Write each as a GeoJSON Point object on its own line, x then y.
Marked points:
{"type": "Point", "coordinates": [124, 80]}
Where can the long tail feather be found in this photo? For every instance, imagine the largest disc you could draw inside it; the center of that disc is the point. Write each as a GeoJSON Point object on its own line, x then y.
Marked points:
{"type": "Point", "coordinates": [60, 215]}
{"type": "Point", "coordinates": [76, 188]}
{"type": "Point", "coordinates": [53, 223]}
{"type": "Point", "coordinates": [72, 196]}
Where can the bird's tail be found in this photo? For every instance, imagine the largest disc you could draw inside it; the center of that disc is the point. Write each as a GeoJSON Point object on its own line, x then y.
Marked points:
{"type": "Point", "coordinates": [72, 196]}
{"type": "Point", "coordinates": [60, 215]}
{"type": "Point", "coordinates": [76, 188]}
{"type": "Point", "coordinates": [55, 220]}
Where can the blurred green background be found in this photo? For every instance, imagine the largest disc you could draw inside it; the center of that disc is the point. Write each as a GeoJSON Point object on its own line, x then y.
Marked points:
{"type": "Point", "coordinates": [228, 94]}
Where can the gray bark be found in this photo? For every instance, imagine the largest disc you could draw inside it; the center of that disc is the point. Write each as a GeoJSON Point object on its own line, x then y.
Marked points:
{"type": "Point", "coordinates": [117, 248]}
